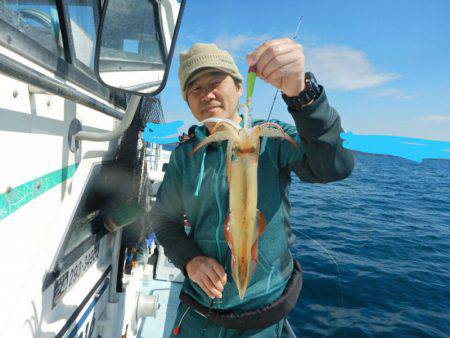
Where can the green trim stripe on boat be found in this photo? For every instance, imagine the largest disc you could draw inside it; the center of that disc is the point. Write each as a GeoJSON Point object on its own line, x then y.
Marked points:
{"type": "Point", "coordinates": [24, 193]}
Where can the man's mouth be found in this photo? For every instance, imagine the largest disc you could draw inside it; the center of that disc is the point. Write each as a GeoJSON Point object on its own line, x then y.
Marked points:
{"type": "Point", "coordinates": [211, 107]}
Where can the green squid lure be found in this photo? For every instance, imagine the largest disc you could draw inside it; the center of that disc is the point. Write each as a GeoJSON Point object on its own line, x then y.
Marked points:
{"type": "Point", "coordinates": [251, 77]}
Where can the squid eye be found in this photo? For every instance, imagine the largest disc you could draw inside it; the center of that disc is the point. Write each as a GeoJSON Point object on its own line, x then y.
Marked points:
{"type": "Point", "coordinates": [253, 149]}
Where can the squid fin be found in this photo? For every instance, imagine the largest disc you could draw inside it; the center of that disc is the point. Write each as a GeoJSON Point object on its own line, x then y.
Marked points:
{"type": "Point", "coordinates": [229, 239]}
{"type": "Point", "coordinates": [259, 228]}
{"type": "Point", "coordinates": [261, 223]}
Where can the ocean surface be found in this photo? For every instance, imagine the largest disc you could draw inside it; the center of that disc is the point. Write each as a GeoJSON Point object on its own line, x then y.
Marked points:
{"type": "Point", "coordinates": [375, 251]}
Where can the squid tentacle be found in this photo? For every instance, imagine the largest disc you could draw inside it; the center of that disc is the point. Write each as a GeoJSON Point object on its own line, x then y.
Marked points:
{"type": "Point", "coordinates": [218, 119]}
{"type": "Point", "coordinates": [226, 125]}
{"type": "Point", "coordinates": [270, 129]}
{"type": "Point", "coordinates": [217, 137]}
{"type": "Point", "coordinates": [246, 111]}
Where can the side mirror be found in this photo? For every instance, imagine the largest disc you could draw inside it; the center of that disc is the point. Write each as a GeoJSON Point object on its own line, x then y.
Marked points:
{"type": "Point", "coordinates": [135, 44]}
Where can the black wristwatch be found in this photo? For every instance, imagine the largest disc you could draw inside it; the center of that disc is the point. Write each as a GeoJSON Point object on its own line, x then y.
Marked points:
{"type": "Point", "coordinates": [311, 92]}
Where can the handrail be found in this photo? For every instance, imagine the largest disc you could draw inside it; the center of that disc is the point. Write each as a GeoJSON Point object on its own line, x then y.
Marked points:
{"type": "Point", "coordinates": [19, 71]}
{"type": "Point", "coordinates": [132, 107]}
{"type": "Point", "coordinates": [113, 297]}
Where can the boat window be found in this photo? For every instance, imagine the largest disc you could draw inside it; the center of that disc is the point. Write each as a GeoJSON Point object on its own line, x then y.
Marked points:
{"type": "Point", "coordinates": [105, 183]}
{"type": "Point", "coordinates": [82, 229]}
{"type": "Point", "coordinates": [83, 27]}
{"type": "Point", "coordinates": [85, 222]}
{"type": "Point", "coordinates": [123, 43]}
{"type": "Point", "coordinates": [33, 29]}
{"type": "Point", "coordinates": [37, 19]}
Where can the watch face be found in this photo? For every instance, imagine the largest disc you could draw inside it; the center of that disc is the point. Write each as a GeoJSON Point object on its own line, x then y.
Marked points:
{"type": "Point", "coordinates": [310, 78]}
{"type": "Point", "coordinates": [311, 93]}
{"type": "Point", "coordinates": [312, 88]}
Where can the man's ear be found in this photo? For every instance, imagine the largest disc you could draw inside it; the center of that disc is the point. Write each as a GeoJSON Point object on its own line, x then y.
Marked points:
{"type": "Point", "coordinates": [240, 89]}
{"type": "Point", "coordinates": [187, 101]}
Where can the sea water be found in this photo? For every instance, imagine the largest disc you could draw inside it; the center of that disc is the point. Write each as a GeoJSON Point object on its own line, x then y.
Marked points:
{"type": "Point", "coordinates": [375, 251]}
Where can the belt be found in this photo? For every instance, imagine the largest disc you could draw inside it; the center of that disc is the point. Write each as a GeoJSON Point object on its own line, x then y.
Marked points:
{"type": "Point", "coordinates": [256, 318]}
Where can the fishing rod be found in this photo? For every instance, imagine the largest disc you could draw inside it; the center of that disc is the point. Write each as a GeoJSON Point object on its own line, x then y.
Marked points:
{"type": "Point", "coordinates": [276, 93]}
{"type": "Point", "coordinates": [251, 78]}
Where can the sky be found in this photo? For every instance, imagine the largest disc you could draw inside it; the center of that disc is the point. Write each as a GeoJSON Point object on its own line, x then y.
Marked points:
{"type": "Point", "coordinates": [385, 65]}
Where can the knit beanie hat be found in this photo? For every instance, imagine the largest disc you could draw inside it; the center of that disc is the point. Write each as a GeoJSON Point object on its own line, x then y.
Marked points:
{"type": "Point", "coordinates": [203, 58]}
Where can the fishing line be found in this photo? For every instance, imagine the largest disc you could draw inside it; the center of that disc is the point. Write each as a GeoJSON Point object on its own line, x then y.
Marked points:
{"type": "Point", "coordinates": [335, 263]}
{"type": "Point", "coordinates": [276, 93]}
{"type": "Point", "coordinates": [205, 324]}
{"type": "Point", "coordinates": [315, 241]}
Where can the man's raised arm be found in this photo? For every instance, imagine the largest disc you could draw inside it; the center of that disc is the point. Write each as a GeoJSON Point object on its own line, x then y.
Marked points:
{"type": "Point", "coordinates": [321, 158]}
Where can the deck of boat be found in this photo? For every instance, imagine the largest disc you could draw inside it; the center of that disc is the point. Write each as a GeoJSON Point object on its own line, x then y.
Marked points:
{"type": "Point", "coordinates": [167, 292]}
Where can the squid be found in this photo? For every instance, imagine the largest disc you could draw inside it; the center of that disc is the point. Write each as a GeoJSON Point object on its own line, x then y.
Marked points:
{"type": "Point", "coordinates": [245, 222]}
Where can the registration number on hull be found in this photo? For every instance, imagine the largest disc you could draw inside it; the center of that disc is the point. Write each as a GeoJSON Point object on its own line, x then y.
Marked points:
{"type": "Point", "coordinates": [67, 279]}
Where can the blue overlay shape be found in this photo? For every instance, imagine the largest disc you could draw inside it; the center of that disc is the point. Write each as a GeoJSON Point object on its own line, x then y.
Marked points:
{"type": "Point", "coordinates": [162, 133]}
{"type": "Point", "coordinates": [414, 149]}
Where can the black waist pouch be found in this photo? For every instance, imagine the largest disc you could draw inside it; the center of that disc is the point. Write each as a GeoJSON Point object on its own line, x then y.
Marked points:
{"type": "Point", "coordinates": [256, 318]}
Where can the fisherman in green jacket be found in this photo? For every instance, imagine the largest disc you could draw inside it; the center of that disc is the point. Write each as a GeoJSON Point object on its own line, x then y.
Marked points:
{"type": "Point", "coordinates": [195, 186]}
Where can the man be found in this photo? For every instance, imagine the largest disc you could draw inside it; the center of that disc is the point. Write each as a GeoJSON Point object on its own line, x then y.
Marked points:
{"type": "Point", "coordinates": [195, 186]}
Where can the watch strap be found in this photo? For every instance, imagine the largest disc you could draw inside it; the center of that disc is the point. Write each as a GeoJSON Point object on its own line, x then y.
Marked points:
{"type": "Point", "coordinates": [310, 92]}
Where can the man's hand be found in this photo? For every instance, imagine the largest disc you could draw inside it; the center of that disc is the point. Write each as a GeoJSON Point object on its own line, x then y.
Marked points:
{"type": "Point", "coordinates": [208, 274]}
{"type": "Point", "coordinates": [281, 63]}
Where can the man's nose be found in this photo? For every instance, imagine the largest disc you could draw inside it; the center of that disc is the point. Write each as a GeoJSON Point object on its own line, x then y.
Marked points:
{"type": "Point", "coordinates": [208, 93]}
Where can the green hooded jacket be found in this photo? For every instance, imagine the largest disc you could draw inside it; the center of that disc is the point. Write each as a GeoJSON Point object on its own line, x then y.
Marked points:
{"type": "Point", "coordinates": [196, 186]}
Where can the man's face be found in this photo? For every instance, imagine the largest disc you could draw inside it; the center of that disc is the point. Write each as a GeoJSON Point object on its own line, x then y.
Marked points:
{"type": "Point", "coordinates": [214, 95]}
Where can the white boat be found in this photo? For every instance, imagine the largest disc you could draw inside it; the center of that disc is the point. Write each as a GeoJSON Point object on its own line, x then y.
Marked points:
{"type": "Point", "coordinates": [64, 131]}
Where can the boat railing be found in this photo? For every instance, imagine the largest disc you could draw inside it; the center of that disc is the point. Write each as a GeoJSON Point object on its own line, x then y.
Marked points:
{"type": "Point", "coordinates": [35, 79]}
{"type": "Point", "coordinates": [153, 154]}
